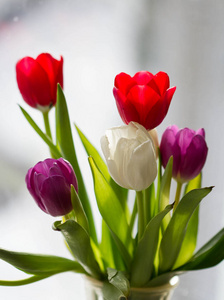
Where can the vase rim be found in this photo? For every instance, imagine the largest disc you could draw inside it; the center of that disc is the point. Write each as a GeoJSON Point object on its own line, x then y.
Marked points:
{"type": "Point", "coordinates": [173, 283]}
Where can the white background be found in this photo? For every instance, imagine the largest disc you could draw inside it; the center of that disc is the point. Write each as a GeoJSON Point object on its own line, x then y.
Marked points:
{"type": "Point", "coordinates": [99, 39]}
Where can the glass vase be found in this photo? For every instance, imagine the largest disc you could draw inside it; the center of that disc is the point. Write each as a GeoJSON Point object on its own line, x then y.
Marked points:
{"type": "Point", "coordinates": [163, 292]}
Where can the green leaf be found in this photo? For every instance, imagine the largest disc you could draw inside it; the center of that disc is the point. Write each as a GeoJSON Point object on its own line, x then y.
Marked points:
{"type": "Point", "coordinates": [65, 143]}
{"type": "Point", "coordinates": [190, 239]}
{"type": "Point", "coordinates": [39, 264]}
{"type": "Point", "coordinates": [44, 137]}
{"type": "Point", "coordinates": [164, 279]}
{"type": "Point", "coordinates": [164, 196]}
{"type": "Point", "coordinates": [208, 256]}
{"type": "Point", "coordinates": [91, 151]}
{"type": "Point", "coordinates": [174, 234]}
{"type": "Point", "coordinates": [149, 202]}
{"type": "Point", "coordinates": [112, 213]}
{"type": "Point", "coordinates": [110, 292]}
{"type": "Point", "coordinates": [78, 241]}
{"type": "Point", "coordinates": [23, 281]}
{"type": "Point", "coordinates": [119, 280]}
{"type": "Point", "coordinates": [109, 250]}
{"type": "Point", "coordinates": [142, 266]}
{"type": "Point", "coordinates": [78, 209]}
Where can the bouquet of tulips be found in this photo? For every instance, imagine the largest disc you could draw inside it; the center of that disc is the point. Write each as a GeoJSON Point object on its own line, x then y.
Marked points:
{"type": "Point", "coordinates": [143, 244]}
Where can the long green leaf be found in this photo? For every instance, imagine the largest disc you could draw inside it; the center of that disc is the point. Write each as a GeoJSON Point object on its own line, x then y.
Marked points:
{"type": "Point", "coordinates": [174, 234]}
{"type": "Point", "coordinates": [109, 250]}
{"type": "Point", "coordinates": [164, 196]}
{"type": "Point", "coordinates": [112, 213]}
{"type": "Point", "coordinates": [25, 281]}
{"type": "Point", "coordinates": [78, 210]}
{"type": "Point", "coordinates": [142, 266]}
{"type": "Point", "coordinates": [65, 143]}
{"type": "Point", "coordinates": [209, 255]}
{"type": "Point", "coordinates": [39, 264]}
{"type": "Point", "coordinates": [190, 238]}
{"type": "Point", "coordinates": [44, 137]}
{"type": "Point", "coordinates": [79, 242]}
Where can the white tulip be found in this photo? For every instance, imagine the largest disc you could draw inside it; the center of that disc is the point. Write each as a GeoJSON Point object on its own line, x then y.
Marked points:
{"type": "Point", "coordinates": [130, 156]}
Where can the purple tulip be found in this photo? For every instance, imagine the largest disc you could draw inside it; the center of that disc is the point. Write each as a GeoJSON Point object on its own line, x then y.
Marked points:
{"type": "Point", "coordinates": [189, 151]}
{"type": "Point", "coordinates": [49, 182]}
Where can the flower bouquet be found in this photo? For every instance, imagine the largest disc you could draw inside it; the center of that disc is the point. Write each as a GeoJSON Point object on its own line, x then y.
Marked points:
{"type": "Point", "coordinates": [142, 245]}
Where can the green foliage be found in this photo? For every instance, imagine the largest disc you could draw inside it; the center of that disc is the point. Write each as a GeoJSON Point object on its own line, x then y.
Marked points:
{"type": "Point", "coordinates": [42, 266]}
{"type": "Point", "coordinates": [175, 231]}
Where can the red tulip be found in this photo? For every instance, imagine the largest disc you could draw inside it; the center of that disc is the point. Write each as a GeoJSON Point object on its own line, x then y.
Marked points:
{"type": "Point", "coordinates": [37, 80]}
{"type": "Point", "coordinates": [144, 98]}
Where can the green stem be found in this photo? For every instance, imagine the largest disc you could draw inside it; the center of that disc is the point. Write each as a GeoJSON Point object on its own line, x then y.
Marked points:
{"type": "Point", "coordinates": [141, 222]}
{"type": "Point", "coordinates": [133, 217]}
{"type": "Point", "coordinates": [177, 196]}
{"type": "Point", "coordinates": [48, 129]}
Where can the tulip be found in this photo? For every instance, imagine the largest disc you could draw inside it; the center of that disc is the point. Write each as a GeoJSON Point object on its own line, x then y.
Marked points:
{"type": "Point", "coordinates": [144, 98]}
{"type": "Point", "coordinates": [130, 156]}
{"type": "Point", "coordinates": [49, 182]}
{"type": "Point", "coordinates": [189, 151]}
{"type": "Point", "coordinates": [38, 78]}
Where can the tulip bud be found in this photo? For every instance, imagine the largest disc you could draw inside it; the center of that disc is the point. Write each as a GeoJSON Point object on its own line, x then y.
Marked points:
{"type": "Point", "coordinates": [144, 98]}
{"type": "Point", "coordinates": [130, 156]}
{"type": "Point", "coordinates": [189, 151]}
{"type": "Point", "coordinates": [49, 182]}
{"type": "Point", "coordinates": [38, 78]}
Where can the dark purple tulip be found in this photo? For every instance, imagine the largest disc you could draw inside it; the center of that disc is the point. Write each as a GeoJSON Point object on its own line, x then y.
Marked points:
{"type": "Point", "coordinates": [49, 182]}
{"type": "Point", "coordinates": [189, 151]}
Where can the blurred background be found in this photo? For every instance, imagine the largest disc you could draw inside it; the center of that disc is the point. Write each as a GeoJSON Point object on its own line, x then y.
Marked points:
{"type": "Point", "coordinates": [99, 39]}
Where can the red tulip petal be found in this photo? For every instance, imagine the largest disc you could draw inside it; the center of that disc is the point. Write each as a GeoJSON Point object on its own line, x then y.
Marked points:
{"type": "Point", "coordinates": [162, 81]}
{"type": "Point", "coordinates": [126, 109]}
{"type": "Point", "coordinates": [123, 82]}
{"type": "Point", "coordinates": [143, 77]}
{"type": "Point", "coordinates": [53, 69]}
{"type": "Point", "coordinates": [143, 98]}
{"type": "Point", "coordinates": [33, 82]}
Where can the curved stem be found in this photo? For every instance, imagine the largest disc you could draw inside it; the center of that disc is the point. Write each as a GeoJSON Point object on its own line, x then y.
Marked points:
{"type": "Point", "coordinates": [47, 124]}
{"type": "Point", "coordinates": [48, 129]}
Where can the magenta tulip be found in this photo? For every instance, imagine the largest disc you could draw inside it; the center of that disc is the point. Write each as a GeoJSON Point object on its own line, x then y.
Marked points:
{"type": "Point", "coordinates": [49, 182]}
{"type": "Point", "coordinates": [144, 98]}
{"type": "Point", "coordinates": [38, 78]}
{"type": "Point", "coordinates": [189, 151]}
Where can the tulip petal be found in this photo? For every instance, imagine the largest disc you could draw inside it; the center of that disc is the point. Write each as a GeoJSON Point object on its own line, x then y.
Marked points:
{"type": "Point", "coordinates": [123, 82]}
{"type": "Point", "coordinates": [127, 111]}
{"type": "Point", "coordinates": [143, 77]}
{"type": "Point", "coordinates": [33, 82]}
{"type": "Point", "coordinates": [55, 194]}
{"type": "Point", "coordinates": [159, 110]}
{"type": "Point", "coordinates": [143, 98]}
{"type": "Point", "coordinates": [53, 69]}
{"type": "Point", "coordinates": [201, 132]}
{"type": "Point", "coordinates": [141, 177]}
{"type": "Point", "coordinates": [194, 159]}
{"type": "Point", "coordinates": [169, 147]}
{"type": "Point", "coordinates": [162, 81]}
